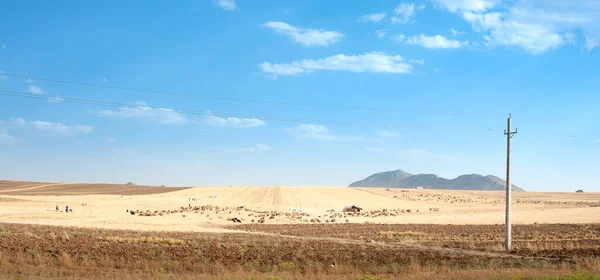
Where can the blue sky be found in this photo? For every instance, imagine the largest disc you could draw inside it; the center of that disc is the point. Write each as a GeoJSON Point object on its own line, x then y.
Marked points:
{"type": "Point", "coordinates": [440, 77]}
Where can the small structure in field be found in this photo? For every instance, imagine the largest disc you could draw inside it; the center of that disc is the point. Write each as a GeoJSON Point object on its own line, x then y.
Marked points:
{"type": "Point", "coordinates": [389, 190]}
{"type": "Point", "coordinates": [419, 188]}
{"type": "Point", "coordinates": [579, 191]}
{"type": "Point", "coordinates": [352, 208]}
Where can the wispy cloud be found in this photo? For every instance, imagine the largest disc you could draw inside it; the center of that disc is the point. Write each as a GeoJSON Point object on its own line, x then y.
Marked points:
{"type": "Point", "coordinates": [456, 32]}
{"type": "Point", "coordinates": [376, 17]}
{"type": "Point", "coordinates": [590, 43]}
{"type": "Point", "coordinates": [436, 42]}
{"type": "Point", "coordinates": [216, 121]}
{"type": "Point", "coordinates": [437, 69]}
{"type": "Point", "coordinates": [4, 46]}
{"type": "Point", "coordinates": [56, 99]}
{"type": "Point", "coordinates": [104, 80]}
{"type": "Point", "coordinates": [404, 12]}
{"type": "Point", "coordinates": [258, 148]}
{"type": "Point", "coordinates": [44, 126]}
{"type": "Point", "coordinates": [6, 138]}
{"type": "Point", "coordinates": [228, 5]}
{"type": "Point", "coordinates": [35, 90]}
{"type": "Point", "coordinates": [142, 112]}
{"type": "Point", "coordinates": [534, 25]}
{"type": "Point", "coordinates": [375, 62]}
{"type": "Point", "coordinates": [29, 81]}
{"type": "Point", "coordinates": [388, 134]}
{"type": "Point", "coordinates": [502, 32]}
{"type": "Point", "coordinates": [467, 5]}
{"type": "Point", "coordinates": [381, 32]}
{"type": "Point", "coordinates": [111, 140]}
{"type": "Point", "coordinates": [417, 61]}
{"type": "Point", "coordinates": [305, 36]}
{"type": "Point", "coordinates": [319, 132]}
{"type": "Point", "coordinates": [3, 77]}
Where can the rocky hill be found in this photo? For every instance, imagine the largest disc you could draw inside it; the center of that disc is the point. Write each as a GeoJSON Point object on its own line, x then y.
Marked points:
{"type": "Point", "coordinates": [403, 179]}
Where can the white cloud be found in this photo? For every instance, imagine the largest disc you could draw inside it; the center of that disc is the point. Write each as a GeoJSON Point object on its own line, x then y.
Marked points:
{"type": "Point", "coordinates": [228, 5]}
{"type": "Point", "coordinates": [55, 99]}
{"type": "Point", "coordinates": [142, 112]}
{"type": "Point", "coordinates": [399, 38]}
{"type": "Point", "coordinates": [417, 61]}
{"type": "Point", "coordinates": [305, 36]}
{"type": "Point", "coordinates": [467, 5]}
{"type": "Point", "coordinates": [374, 149]}
{"type": "Point", "coordinates": [319, 132]}
{"type": "Point", "coordinates": [571, 38]}
{"type": "Point", "coordinates": [29, 81]}
{"type": "Point", "coordinates": [6, 138]}
{"type": "Point", "coordinates": [437, 69]}
{"type": "Point", "coordinates": [456, 33]}
{"type": "Point", "coordinates": [388, 134]}
{"type": "Point", "coordinates": [404, 12]}
{"type": "Point", "coordinates": [44, 126]}
{"type": "Point", "coordinates": [436, 42]}
{"type": "Point", "coordinates": [35, 90]}
{"type": "Point", "coordinates": [111, 140]}
{"type": "Point", "coordinates": [534, 25]}
{"type": "Point", "coordinates": [376, 17]}
{"type": "Point", "coordinates": [502, 32]}
{"type": "Point", "coordinates": [4, 46]}
{"type": "Point", "coordinates": [215, 121]}
{"type": "Point", "coordinates": [3, 77]}
{"type": "Point", "coordinates": [590, 43]}
{"type": "Point", "coordinates": [381, 32]}
{"type": "Point", "coordinates": [376, 62]}
{"type": "Point", "coordinates": [258, 148]}
{"type": "Point", "coordinates": [104, 80]}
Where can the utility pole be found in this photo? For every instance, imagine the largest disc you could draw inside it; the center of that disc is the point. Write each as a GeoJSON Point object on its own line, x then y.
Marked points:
{"type": "Point", "coordinates": [509, 134]}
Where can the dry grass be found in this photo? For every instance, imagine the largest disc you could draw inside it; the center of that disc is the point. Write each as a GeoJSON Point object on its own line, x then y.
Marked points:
{"type": "Point", "coordinates": [152, 240]}
{"type": "Point", "coordinates": [114, 254]}
{"type": "Point", "coordinates": [403, 234]}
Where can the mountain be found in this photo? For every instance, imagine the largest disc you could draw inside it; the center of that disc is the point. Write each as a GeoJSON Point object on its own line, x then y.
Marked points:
{"type": "Point", "coordinates": [402, 179]}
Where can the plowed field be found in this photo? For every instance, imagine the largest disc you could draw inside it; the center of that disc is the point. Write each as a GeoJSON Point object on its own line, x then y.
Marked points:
{"type": "Point", "coordinates": [36, 251]}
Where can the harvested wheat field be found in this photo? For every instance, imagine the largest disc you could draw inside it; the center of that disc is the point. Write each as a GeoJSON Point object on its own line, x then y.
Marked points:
{"type": "Point", "coordinates": [204, 208]}
{"type": "Point", "coordinates": [133, 232]}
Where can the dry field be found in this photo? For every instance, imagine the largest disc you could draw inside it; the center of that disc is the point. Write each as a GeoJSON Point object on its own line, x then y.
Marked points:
{"type": "Point", "coordinates": [33, 252]}
{"type": "Point", "coordinates": [140, 232]}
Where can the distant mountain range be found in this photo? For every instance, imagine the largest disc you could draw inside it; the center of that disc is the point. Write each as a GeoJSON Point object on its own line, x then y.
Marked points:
{"type": "Point", "coordinates": [402, 179]}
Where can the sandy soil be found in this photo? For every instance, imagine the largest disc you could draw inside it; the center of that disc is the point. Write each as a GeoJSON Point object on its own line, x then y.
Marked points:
{"type": "Point", "coordinates": [107, 209]}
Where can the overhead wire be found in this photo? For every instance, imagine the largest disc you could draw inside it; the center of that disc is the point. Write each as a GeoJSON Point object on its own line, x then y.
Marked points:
{"type": "Point", "coordinates": [279, 119]}
{"type": "Point", "coordinates": [272, 102]}
{"type": "Point", "coordinates": [210, 113]}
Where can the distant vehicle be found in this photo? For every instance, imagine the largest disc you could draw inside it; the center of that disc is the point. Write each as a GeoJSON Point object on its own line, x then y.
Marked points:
{"type": "Point", "coordinates": [419, 188]}
{"type": "Point", "coordinates": [389, 190]}
{"type": "Point", "coordinates": [579, 191]}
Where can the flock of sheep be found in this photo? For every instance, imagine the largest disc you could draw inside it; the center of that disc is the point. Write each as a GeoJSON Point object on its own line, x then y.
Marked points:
{"type": "Point", "coordinates": [242, 214]}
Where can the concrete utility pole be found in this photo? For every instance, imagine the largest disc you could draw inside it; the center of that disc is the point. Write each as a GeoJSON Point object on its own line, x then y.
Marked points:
{"type": "Point", "coordinates": [509, 134]}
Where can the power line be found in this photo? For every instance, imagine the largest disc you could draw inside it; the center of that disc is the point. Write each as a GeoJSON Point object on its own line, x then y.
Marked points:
{"type": "Point", "coordinates": [270, 118]}
{"type": "Point", "coordinates": [216, 114]}
{"type": "Point", "coordinates": [217, 97]}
